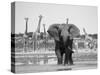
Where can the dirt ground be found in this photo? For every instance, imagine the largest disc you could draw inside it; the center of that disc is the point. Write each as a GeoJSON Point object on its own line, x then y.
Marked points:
{"type": "Point", "coordinates": [47, 68]}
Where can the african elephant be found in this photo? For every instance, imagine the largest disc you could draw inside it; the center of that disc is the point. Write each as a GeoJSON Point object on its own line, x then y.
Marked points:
{"type": "Point", "coordinates": [63, 35]}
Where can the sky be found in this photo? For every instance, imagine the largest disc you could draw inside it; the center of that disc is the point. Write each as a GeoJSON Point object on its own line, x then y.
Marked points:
{"type": "Point", "coordinates": [82, 16]}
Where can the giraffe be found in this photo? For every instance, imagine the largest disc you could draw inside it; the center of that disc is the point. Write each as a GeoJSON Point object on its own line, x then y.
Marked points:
{"type": "Point", "coordinates": [89, 39]}
{"type": "Point", "coordinates": [25, 37]}
{"type": "Point", "coordinates": [39, 24]}
{"type": "Point", "coordinates": [44, 37]}
{"type": "Point", "coordinates": [67, 20]}
{"type": "Point", "coordinates": [44, 29]}
{"type": "Point", "coordinates": [37, 32]}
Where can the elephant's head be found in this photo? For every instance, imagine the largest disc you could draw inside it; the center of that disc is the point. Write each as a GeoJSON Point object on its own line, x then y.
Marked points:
{"type": "Point", "coordinates": [63, 30]}
{"type": "Point", "coordinates": [63, 35]}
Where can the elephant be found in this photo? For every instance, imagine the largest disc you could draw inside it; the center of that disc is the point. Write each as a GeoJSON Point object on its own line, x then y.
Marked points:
{"type": "Point", "coordinates": [63, 35]}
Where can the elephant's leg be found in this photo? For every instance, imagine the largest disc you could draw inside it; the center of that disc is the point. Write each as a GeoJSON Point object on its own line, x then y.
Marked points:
{"type": "Point", "coordinates": [59, 56]}
{"type": "Point", "coordinates": [70, 51]}
{"type": "Point", "coordinates": [66, 57]}
{"type": "Point", "coordinates": [58, 52]}
{"type": "Point", "coordinates": [70, 58]}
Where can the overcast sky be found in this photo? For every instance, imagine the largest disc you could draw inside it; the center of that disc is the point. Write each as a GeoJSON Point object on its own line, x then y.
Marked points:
{"type": "Point", "coordinates": [81, 16]}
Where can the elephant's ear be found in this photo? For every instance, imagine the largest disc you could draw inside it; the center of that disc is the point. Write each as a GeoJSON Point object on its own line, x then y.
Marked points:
{"type": "Point", "coordinates": [73, 30]}
{"type": "Point", "coordinates": [53, 31]}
